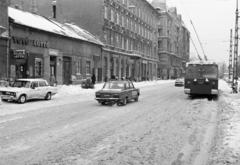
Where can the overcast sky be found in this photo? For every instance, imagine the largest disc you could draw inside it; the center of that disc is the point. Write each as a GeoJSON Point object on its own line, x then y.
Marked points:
{"type": "Point", "coordinates": [213, 20]}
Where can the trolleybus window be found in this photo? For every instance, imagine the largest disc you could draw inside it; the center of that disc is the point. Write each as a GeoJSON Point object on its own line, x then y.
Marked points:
{"type": "Point", "coordinates": [202, 71]}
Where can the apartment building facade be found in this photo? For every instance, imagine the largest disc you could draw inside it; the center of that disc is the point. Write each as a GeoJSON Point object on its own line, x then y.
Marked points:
{"type": "Point", "coordinates": [128, 28]}
{"type": "Point", "coordinates": [173, 42]}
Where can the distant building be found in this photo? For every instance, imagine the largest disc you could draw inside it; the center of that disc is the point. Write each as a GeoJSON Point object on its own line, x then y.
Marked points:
{"type": "Point", "coordinates": [41, 47]}
{"type": "Point", "coordinates": [128, 28]}
{"type": "Point", "coordinates": [173, 42]}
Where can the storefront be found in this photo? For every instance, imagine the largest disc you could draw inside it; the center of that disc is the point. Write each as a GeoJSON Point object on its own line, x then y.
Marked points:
{"type": "Point", "coordinates": [61, 54]}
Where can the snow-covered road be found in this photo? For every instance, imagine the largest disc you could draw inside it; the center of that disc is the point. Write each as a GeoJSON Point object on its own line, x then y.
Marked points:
{"type": "Point", "coordinates": [164, 127]}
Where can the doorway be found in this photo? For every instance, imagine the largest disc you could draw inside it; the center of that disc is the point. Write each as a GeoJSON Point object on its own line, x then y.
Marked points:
{"type": "Point", "coordinates": [67, 70]}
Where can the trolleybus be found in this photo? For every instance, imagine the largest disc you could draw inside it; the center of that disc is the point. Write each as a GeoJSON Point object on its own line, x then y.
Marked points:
{"type": "Point", "coordinates": [201, 78]}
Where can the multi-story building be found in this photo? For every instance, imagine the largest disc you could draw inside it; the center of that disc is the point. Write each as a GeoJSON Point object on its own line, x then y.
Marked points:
{"type": "Point", "coordinates": [128, 28]}
{"type": "Point", "coordinates": [3, 38]}
{"type": "Point", "coordinates": [173, 41]}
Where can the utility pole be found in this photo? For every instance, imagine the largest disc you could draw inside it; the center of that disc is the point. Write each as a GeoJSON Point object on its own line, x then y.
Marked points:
{"type": "Point", "coordinates": [230, 67]}
{"type": "Point", "coordinates": [235, 62]}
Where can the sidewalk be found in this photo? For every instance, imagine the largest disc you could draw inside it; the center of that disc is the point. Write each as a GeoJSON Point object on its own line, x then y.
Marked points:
{"type": "Point", "coordinates": [227, 141]}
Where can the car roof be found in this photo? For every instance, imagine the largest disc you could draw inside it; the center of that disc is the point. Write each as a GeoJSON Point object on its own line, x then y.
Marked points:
{"type": "Point", "coordinates": [31, 79]}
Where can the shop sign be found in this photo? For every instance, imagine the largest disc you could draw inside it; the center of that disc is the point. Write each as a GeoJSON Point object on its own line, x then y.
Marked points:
{"type": "Point", "coordinates": [53, 52]}
{"type": "Point", "coordinates": [26, 41]}
{"type": "Point", "coordinates": [19, 54]}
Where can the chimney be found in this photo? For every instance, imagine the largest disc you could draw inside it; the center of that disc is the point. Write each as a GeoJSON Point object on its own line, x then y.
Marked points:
{"type": "Point", "coordinates": [54, 8]}
{"type": "Point", "coordinates": [34, 6]}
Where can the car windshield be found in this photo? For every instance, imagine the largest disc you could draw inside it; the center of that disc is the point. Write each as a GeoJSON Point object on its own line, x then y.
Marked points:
{"type": "Point", "coordinates": [21, 84]}
{"type": "Point", "coordinates": [113, 85]}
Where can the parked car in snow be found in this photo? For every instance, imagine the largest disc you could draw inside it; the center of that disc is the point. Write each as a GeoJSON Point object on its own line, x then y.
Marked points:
{"type": "Point", "coordinates": [119, 92]}
{"type": "Point", "coordinates": [179, 82]}
{"type": "Point", "coordinates": [4, 83]}
{"type": "Point", "coordinates": [87, 83]}
{"type": "Point", "coordinates": [25, 89]}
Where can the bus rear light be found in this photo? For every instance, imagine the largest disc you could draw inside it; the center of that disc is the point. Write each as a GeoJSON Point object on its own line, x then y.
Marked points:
{"type": "Point", "coordinates": [206, 80]}
{"type": "Point", "coordinates": [195, 80]}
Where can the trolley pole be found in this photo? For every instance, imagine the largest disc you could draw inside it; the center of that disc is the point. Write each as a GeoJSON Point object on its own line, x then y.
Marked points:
{"type": "Point", "coordinates": [230, 67]}
{"type": "Point", "coordinates": [235, 63]}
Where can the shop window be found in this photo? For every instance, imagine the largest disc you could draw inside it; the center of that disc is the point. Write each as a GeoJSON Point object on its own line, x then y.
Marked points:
{"type": "Point", "coordinates": [88, 67]}
{"type": "Point", "coordinates": [38, 67]}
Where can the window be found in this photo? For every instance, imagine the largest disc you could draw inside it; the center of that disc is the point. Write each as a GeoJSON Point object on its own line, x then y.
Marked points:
{"type": "Point", "coordinates": [118, 22]}
{"type": "Point", "coordinates": [38, 67]}
{"type": "Point", "coordinates": [88, 67]}
{"type": "Point", "coordinates": [42, 84]}
{"type": "Point", "coordinates": [112, 15]}
{"type": "Point", "coordinates": [34, 84]}
{"type": "Point", "coordinates": [105, 12]}
{"type": "Point", "coordinates": [111, 38]}
{"type": "Point", "coordinates": [78, 67]}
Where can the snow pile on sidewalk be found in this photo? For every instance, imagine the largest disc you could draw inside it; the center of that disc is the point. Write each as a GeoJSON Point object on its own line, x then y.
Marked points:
{"type": "Point", "coordinates": [224, 86]}
{"type": "Point", "coordinates": [227, 149]}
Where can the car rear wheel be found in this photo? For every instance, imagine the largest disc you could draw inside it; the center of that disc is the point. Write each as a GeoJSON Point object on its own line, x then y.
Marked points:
{"type": "Point", "coordinates": [22, 99]}
{"type": "Point", "coordinates": [136, 99]}
{"type": "Point", "coordinates": [124, 101]}
{"type": "Point", "coordinates": [48, 96]}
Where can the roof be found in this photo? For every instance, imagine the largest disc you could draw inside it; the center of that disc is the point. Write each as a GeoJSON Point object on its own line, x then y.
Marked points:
{"type": "Point", "coordinates": [49, 25]}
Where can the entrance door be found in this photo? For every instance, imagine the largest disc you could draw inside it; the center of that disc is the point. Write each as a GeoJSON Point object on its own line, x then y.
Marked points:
{"type": "Point", "coordinates": [21, 70]}
{"type": "Point", "coordinates": [99, 74]}
{"type": "Point", "coordinates": [67, 70]}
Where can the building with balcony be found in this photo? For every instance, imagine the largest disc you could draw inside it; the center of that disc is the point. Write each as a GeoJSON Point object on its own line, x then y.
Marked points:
{"type": "Point", "coordinates": [173, 42]}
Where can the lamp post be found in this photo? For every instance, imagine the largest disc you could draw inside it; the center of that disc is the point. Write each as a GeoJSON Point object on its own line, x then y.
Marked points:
{"type": "Point", "coordinates": [235, 60]}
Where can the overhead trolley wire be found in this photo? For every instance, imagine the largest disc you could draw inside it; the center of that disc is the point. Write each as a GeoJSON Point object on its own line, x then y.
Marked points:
{"type": "Point", "coordinates": [199, 57]}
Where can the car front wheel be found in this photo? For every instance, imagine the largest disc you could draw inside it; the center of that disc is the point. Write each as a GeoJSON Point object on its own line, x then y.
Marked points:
{"type": "Point", "coordinates": [136, 99]}
{"type": "Point", "coordinates": [124, 101]}
{"type": "Point", "coordinates": [48, 96]}
{"type": "Point", "coordinates": [22, 99]}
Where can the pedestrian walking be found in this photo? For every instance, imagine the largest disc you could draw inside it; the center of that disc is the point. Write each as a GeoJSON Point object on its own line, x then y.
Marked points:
{"type": "Point", "coordinates": [93, 79]}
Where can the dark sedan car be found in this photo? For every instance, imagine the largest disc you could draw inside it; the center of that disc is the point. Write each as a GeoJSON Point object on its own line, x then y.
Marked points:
{"type": "Point", "coordinates": [119, 92]}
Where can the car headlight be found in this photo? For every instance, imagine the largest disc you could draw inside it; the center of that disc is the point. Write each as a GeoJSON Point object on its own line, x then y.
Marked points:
{"type": "Point", "coordinates": [11, 93]}
{"type": "Point", "coordinates": [116, 96]}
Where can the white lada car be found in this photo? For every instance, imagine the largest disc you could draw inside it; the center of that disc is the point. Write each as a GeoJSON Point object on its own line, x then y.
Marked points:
{"type": "Point", "coordinates": [26, 89]}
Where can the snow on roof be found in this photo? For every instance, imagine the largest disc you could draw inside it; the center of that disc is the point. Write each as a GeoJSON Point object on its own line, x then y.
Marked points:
{"type": "Point", "coordinates": [83, 32]}
{"type": "Point", "coordinates": [52, 26]}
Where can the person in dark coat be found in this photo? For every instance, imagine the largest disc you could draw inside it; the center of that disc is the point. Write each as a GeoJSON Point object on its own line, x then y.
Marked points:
{"type": "Point", "coordinates": [93, 79]}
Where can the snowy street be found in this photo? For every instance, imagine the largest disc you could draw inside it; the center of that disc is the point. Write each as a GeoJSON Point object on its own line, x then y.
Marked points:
{"type": "Point", "coordinates": [165, 127]}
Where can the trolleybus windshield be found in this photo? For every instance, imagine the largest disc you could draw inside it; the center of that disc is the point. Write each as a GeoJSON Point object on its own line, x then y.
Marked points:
{"type": "Point", "coordinates": [202, 71]}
